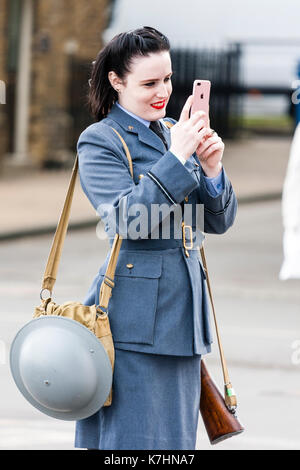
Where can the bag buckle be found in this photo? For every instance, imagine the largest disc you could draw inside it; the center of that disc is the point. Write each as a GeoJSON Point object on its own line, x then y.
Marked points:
{"type": "Point", "coordinates": [190, 247]}
{"type": "Point", "coordinates": [101, 311]}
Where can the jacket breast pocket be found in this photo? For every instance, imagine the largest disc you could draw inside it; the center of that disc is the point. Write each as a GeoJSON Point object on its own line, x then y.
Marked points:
{"type": "Point", "coordinates": [132, 306]}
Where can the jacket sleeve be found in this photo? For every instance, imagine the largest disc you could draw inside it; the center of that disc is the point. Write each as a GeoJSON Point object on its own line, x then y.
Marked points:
{"type": "Point", "coordinates": [106, 180]}
{"type": "Point", "coordinates": [219, 210]}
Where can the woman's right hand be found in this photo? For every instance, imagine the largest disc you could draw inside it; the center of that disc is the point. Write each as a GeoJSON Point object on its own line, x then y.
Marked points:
{"type": "Point", "coordinates": [188, 132]}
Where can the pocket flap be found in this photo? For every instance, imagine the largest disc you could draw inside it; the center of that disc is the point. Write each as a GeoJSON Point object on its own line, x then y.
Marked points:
{"type": "Point", "coordinates": [137, 264]}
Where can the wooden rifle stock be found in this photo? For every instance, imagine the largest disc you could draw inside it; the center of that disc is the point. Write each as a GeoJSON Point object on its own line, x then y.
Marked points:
{"type": "Point", "coordinates": [220, 423]}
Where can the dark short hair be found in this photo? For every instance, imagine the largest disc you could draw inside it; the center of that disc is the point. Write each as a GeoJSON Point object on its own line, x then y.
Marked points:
{"type": "Point", "coordinates": [116, 56]}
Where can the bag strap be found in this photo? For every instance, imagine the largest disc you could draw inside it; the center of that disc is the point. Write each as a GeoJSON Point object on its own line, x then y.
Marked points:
{"type": "Point", "coordinates": [108, 280]}
{"type": "Point", "coordinates": [50, 273]}
{"type": "Point", "coordinates": [230, 397]}
{"type": "Point", "coordinates": [59, 236]}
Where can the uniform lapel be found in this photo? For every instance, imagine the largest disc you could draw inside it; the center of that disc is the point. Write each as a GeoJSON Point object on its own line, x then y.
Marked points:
{"type": "Point", "coordinates": [132, 125]}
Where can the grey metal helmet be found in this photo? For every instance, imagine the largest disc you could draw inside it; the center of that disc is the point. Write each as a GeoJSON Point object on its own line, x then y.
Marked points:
{"type": "Point", "coordinates": [60, 367]}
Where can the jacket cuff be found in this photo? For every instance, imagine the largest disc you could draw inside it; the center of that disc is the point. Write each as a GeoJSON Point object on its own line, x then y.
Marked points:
{"type": "Point", "coordinates": [172, 178]}
{"type": "Point", "coordinates": [216, 204]}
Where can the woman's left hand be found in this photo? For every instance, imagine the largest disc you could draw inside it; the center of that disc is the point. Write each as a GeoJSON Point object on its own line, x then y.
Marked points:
{"type": "Point", "coordinates": [210, 152]}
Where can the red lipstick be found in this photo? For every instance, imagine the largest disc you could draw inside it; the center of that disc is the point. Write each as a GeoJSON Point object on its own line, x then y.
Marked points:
{"type": "Point", "coordinates": [159, 104]}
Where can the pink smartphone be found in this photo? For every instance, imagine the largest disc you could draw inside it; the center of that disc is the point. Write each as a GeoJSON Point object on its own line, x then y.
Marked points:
{"type": "Point", "coordinates": [201, 93]}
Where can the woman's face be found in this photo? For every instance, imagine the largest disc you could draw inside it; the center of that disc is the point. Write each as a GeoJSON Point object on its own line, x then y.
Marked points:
{"type": "Point", "coordinates": [146, 89]}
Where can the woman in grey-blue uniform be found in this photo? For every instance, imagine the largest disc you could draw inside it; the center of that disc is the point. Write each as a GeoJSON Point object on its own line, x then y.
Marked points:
{"type": "Point", "coordinates": [158, 310]}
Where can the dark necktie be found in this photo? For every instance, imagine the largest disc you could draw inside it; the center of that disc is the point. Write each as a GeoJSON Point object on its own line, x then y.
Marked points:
{"type": "Point", "coordinates": [155, 127]}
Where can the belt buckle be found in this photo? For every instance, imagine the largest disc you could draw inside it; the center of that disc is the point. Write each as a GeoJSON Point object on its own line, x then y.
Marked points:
{"type": "Point", "coordinates": [186, 248]}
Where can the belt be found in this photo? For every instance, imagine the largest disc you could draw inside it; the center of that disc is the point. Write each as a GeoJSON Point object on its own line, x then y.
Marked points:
{"type": "Point", "coordinates": [185, 242]}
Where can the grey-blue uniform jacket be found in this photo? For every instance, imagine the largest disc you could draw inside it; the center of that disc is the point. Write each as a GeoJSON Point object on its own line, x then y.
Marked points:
{"type": "Point", "coordinates": [159, 303]}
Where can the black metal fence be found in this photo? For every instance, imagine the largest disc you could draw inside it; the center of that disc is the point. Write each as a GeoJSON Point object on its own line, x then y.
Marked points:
{"type": "Point", "coordinates": [221, 67]}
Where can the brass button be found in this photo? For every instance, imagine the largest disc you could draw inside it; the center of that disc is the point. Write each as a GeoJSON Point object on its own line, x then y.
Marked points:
{"type": "Point", "coordinates": [197, 164]}
{"type": "Point", "coordinates": [186, 198]}
{"type": "Point", "coordinates": [129, 266]}
{"type": "Point", "coordinates": [130, 128]}
{"type": "Point", "coordinates": [141, 176]}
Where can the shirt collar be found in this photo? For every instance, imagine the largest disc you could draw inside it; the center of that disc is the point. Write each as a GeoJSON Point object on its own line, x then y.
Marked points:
{"type": "Point", "coordinates": [138, 118]}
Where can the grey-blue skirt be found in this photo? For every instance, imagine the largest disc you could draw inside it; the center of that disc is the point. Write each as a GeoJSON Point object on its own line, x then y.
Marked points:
{"type": "Point", "coordinates": [155, 405]}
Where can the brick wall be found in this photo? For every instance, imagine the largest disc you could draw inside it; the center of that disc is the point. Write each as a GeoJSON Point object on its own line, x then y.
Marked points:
{"type": "Point", "coordinates": [62, 28]}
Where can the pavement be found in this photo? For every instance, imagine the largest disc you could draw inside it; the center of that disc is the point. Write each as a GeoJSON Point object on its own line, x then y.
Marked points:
{"type": "Point", "coordinates": [32, 199]}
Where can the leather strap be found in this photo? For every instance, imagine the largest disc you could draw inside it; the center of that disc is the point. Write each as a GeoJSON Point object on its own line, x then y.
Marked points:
{"type": "Point", "coordinates": [225, 371]}
{"type": "Point", "coordinates": [50, 273]}
{"type": "Point", "coordinates": [230, 397]}
{"type": "Point", "coordinates": [126, 151]}
{"type": "Point", "coordinates": [108, 282]}
{"type": "Point", "coordinates": [59, 236]}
